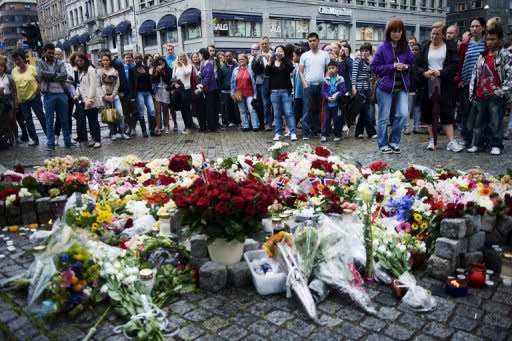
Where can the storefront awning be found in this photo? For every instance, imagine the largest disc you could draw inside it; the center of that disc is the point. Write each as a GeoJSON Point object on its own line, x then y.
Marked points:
{"type": "Point", "coordinates": [370, 24]}
{"type": "Point", "coordinates": [75, 40]}
{"type": "Point", "coordinates": [190, 16]}
{"type": "Point", "coordinates": [108, 31]}
{"type": "Point", "coordinates": [239, 17]}
{"type": "Point", "coordinates": [84, 38]}
{"type": "Point", "coordinates": [333, 20]}
{"type": "Point", "coordinates": [66, 45]}
{"type": "Point", "coordinates": [147, 27]}
{"type": "Point", "coordinates": [123, 27]}
{"type": "Point", "coordinates": [59, 45]}
{"type": "Point", "coordinates": [167, 23]}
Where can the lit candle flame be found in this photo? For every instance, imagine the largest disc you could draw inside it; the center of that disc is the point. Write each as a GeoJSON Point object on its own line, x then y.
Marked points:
{"type": "Point", "coordinates": [454, 283]}
{"type": "Point", "coordinates": [50, 222]}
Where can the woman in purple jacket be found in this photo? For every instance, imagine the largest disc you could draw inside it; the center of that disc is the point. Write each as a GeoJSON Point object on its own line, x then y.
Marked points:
{"type": "Point", "coordinates": [392, 63]}
{"type": "Point", "coordinates": [208, 116]}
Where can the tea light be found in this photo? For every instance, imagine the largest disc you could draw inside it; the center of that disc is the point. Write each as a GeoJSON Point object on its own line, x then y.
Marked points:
{"type": "Point", "coordinates": [456, 288]}
{"type": "Point", "coordinates": [461, 277]}
{"type": "Point", "coordinates": [147, 279]}
{"type": "Point", "coordinates": [33, 226]}
{"type": "Point", "coordinates": [39, 248]}
{"type": "Point", "coordinates": [488, 274]}
{"type": "Point", "coordinates": [489, 283]}
{"type": "Point", "coordinates": [476, 275]}
{"type": "Point", "coordinates": [460, 271]}
{"type": "Point", "coordinates": [13, 228]}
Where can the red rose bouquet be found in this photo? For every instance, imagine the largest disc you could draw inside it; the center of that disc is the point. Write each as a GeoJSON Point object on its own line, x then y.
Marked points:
{"type": "Point", "coordinates": [224, 207]}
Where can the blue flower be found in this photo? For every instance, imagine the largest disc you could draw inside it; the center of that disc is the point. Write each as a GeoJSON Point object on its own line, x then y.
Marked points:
{"type": "Point", "coordinates": [76, 298]}
{"type": "Point", "coordinates": [401, 206]}
{"type": "Point", "coordinates": [64, 258]}
{"type": "Point", "coordinates": [76, 267]}
{"type": "Point", "coordinates": [91, 206]}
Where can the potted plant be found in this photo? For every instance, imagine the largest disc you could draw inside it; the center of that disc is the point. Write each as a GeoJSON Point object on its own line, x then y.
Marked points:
{"type": "Point", "coordinates": [227, 211]}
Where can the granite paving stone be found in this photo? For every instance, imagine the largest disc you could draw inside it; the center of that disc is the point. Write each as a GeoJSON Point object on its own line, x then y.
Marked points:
{"type": "Point", "coordinates": [463, 336]}
{"type": "Point", "coordinates": [437, 329]}
{"type": "Point", "coordinates": [279, 317]}
{"type": "Point", "coordinates": [215, 323]}
{"type": "Point", "coordinates": [189, 333]}
{"type": "Point", "coordinates": [377, 337]}
{"type": "Point", "coordinates": [493, 333]}
{"type": "Point", "coordinates": [373, 324]}
{"type": "Point", "coordinates": [263, 328]}
{"type": "Point", "coordinates": [463, 323]}
{"type": "Point", "coordinates": [301, 327]}
{"type": "Point", "coordinates": [351, 330]}
{"type": "Point", "coordinates": [285, 334]}
{"type": "Point", "coordinates": [399, 332]}
{"type": "Point", "coordinates": [233, 332]}
{"type": "Point", "coordinates": [323, 335]}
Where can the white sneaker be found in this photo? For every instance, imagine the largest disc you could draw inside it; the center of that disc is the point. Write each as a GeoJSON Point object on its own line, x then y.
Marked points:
{"type": "Point", "coordinates": [454, 146]}
{"type": "Point", "coordinates": [323, 139]}
{"type": "Point", "coordinates": [337, 139]}
{"type": "Point", "coordinates": [431, 145]}
{"type": "Point", "coordinates": [495, 151]}
{"type": "Point", "coordinates": [360, 136]}
{"type": "Point", "coordinates": [287, 134]}
{"type": "Point", "coordinates": [276, 137]}
{"type": "Point", "coordinates": [345, 128]}
{"type": "Point", "coordinates": [473, 149]}
{"type": "Point", "coordinates": [374, 136]}
{"type": "Point", "coordinates": [293, 137]}
{"type": "Point", "coordinates": [185, 131]}
{"type": "Point", "coordinates": [115, 137]}
{"type": "Point", "coordinates": [125, 137]}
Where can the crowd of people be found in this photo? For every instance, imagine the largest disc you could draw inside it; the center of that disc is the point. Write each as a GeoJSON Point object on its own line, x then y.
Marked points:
{"type": "Point", "coordinates": [443, 83]}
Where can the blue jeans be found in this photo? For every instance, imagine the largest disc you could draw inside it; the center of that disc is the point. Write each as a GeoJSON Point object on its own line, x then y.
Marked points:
{"type": "Point", "coordinates": [56, 107]}
{"type": "Point", "coordinates": [282, 104]}
{"type": "Point", "coordinates": [399, 100]}
{"type": "Point", "coordinates": [265, 98]}
{"type": "Point", "coordinates": [490, 115]}
{"type": "Point", "coordinates": [332, 114]}
{"type": "Point", "coordinates": [366, 119]}
{"type": "Point", "coordinates": [26, 111]}
{"type": "Point", "coordinates": [467, 115]}
{"type": "Point", "coordinates": [311, 98]}
{"type": "Point", "coordinates": [145, 100]}
{"type": "Point", "coordinates": [415, 109]}
{"type": "Point", "coordinates": [246, 106]}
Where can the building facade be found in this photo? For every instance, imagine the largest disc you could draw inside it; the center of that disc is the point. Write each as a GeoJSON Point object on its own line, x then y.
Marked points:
{"type": "Point", "coordinates": [461, 12]}
{"type": "Point", "coordinates": [52, 19]}
{"type": "Point", "coordinates": [13, 14]}
{"type": "Point", "coordinates": [148, 25]}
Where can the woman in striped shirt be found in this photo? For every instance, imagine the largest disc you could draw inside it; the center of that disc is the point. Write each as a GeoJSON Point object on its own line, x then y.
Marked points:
{"type": "Point", "coordinates": [361, 89]}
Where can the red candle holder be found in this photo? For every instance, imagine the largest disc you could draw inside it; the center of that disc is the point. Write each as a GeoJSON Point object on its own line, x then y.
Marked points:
{"type": "Point", "coordinates": [456, 287]}
{"type": "Point", "coordinates": [476, 275]}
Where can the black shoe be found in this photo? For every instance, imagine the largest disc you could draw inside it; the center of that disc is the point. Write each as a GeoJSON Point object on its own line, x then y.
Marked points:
{"type": "Point", "coordinates": [50, 147]}
{"type": "Point", "coordinates": [245, 129]}
{"type": "Point", "coordinates": [256, 129]}
{"type": "Point", "coordinates": [395, 149]}
{"type": "Point", "coordinates": [33, 143]}
{"type": "Point", "coordinates": [24, 138]}
{"type": "Point", "coordinates": [70, 145]}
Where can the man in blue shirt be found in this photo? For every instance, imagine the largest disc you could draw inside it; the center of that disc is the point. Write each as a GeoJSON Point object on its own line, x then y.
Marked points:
{"type": "Point", "coordinates": [170, 57]}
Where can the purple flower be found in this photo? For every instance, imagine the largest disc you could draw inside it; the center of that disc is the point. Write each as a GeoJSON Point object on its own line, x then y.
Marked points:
{"type": "Point", "coordinates": [403, 227]}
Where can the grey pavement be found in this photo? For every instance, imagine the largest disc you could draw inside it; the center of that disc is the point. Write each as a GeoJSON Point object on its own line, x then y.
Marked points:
{"type": "Point", "coordinates": [235, 314]}
{"type": "Point", "coordinates": [232, 141]}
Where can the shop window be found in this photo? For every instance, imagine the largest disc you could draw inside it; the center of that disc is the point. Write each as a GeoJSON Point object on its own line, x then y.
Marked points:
{"type": "Point", "coordinates": [192, 31]}
{"type": "Point", "coordinates": [236, 28]}
{"type": "Point", "coordinates": [369, 33]}
{"type": "Point", "coordinates": [149, 39]}
{"type": "Point", "coordinates": [289, 28]}
{"type": "Point", "coordinates": [333, 31]}
{"type": "Point", "coordinates": [126, 39]}
{"type": "Point", "coordinates": [169, 36]}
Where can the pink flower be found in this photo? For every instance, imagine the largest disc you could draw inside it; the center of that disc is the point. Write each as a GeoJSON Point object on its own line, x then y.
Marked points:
{"type": "Point", "coordinates": [403, 227]}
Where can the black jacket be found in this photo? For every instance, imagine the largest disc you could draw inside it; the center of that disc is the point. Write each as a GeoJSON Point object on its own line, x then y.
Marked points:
{"type": "Point", "coordinates": [448, 87]}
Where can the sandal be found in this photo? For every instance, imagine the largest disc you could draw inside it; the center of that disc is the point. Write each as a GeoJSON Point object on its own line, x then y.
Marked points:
{"type": "Point", "coordinates": [97, 145]}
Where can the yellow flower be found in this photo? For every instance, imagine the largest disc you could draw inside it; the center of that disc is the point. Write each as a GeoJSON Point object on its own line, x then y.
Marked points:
{"type": "Point", "coordinates": [100, 219]}
{"type": "Point", "coordinates": [95, 227]}
{"type": "Point", "coordinates": [415, 227]}
{"type": "Point", "coordinates": [85, 214]}
{"type": "Point", "coordinates": [424, 224]}
{"type": "Point", "coordinates": [417, 217]}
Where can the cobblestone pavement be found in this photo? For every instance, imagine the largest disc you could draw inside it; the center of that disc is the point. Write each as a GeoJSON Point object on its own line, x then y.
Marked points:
{"type": "Point", "coordinates": [230, 142]}
{"type": "Point", "coordinates": [233, 314]}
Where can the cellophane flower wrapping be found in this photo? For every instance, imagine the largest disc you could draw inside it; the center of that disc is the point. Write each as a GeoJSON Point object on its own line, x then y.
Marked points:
{"type": "Point", "coordinates": [340, 246]}
{"type": "Point", "coordinates": [306, 242]}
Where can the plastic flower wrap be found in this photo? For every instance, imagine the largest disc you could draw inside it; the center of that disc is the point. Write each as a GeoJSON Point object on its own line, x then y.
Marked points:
{"type": "Point", "coordinates": [307, 242]}
{"type": "Point", "coordinates": [277, 148]}
{"type": "Point", "coordinates": [391, 254]}
{"type": "Point", "coordinates": [341, 247]}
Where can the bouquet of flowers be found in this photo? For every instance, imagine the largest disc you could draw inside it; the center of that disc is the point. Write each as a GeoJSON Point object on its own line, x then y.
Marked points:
{"type": "Point", "coordinates": [224, 207]}
{"type": "Point", "coordinates": [76, 281]}
{"type": "Point", "coordinates": [392, 255]}
{"type": "Point", "coordinates": [277, 149]}
{"type": "Point", "coordinates": [89, 214]}
{"type": "Point", "coordinates": [75, 182]}
{"type": "Point", "coordinates": [280, 247]}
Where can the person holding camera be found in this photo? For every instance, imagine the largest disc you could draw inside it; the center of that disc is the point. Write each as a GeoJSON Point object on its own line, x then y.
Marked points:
{"type": "Point", "coordinates": [161, 79]}
{"type": "Point", "coordinates": [243, 92]}
{"type": "Point", "coordinates": [278, 71]}
{"type": "Point", "coordinates": [88, 100]}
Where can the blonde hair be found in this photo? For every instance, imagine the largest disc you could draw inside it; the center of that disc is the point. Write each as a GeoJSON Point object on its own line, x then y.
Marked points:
{"type": "Point", "coordinates": [184, 55]}
{"type": "Point", "coordinates": [440, 25]}
{"type": "Point", "coordinates": [243, 55]}
{"type": "Point", "coordinates": [3, 64]}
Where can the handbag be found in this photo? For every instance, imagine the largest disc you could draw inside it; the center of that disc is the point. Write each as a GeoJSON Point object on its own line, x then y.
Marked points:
{"type": "Point", "coordinates": [110, 116]}
{"type": "Point", "coordinates": [237, 96]}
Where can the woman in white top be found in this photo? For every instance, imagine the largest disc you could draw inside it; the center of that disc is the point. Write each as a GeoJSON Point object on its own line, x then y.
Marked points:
{"type": "Point", "coordinates": [88, 101]}
{"type": "Point", "coordinates": [436, 66]}
{"type": "Point", "coordinates": [182, 84]}
{"type": "Point", "coordinates": [8, 98]}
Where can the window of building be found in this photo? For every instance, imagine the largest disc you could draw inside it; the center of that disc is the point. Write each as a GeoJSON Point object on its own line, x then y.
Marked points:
{"type": "Point", "coordinates": [146, 3]}
{"type": "Point", "coordinates": [126, 38]}
{"type": "Point", "coordinates": [236, 28]}
{"type": "Point", "coordinates": [149, 39]}
{"type": "Point", "coordinates": [333, 31]}
{"type": "Point", "coordinates": [371, 3]}
{"type": "Point", "coordinates": [81, 15]}
{"type": "Point", "coordinates": [370, 33]}
{"type": "Point", "coordinates": [169, 36]}
{"type": "Point", "coordinates": [382, 3]}
{"type": "Point", "coordinates": [477, 4]}
{"type": "Point", "coordinates": [393, 4]}
{"type": "Point", "coordinates": [360, 2]}
{"type": "Point", "coordinates": [423, 4]}
{"type": "Point", "coordinates": [26, 6]}
{"type": "Point", "coordinates": [510, 4]}
{"type": "Point", "coordinates": [425, 33]}
{"type": "Point", "coordinates": [192, 31]}
{"type": "Point", "coordinates": [403, 4]}
{"type": "Point", "coordinates": [412, 4]}
{"type": "Point", "coordinates": [289, 28]}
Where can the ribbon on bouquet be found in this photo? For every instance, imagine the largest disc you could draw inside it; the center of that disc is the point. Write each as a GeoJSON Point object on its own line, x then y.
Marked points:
{"type": "Point", "coordinates": [150, 311]}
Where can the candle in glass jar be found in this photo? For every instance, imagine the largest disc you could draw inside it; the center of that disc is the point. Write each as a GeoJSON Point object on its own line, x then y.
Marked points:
{"type": "Point", "coordinates": [476, 276]}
